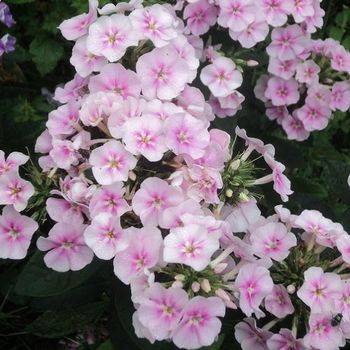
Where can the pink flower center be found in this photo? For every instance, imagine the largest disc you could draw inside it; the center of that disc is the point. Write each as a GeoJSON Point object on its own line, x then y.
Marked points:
{"type": "Point", "coordinates": [67, 245]}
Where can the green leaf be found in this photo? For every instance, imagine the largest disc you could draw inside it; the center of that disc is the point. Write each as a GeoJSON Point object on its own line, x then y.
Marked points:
{"type": "Point", "coordinates": [46, 53]}
{"type": "Point", "coordinates": [336, 33]}
{"type": "Point", "coordinates": [107, 345]}
{"type": "Point", "coordinates": [54, 324]}
{"type": "Point", "coordinates": [37, 280]}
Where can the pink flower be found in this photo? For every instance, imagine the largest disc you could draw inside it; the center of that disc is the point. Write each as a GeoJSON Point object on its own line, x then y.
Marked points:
{"type": "Point", "coordinates": [64, 153]}
{"type": "Point", "coordinates": [340, 59]}
{"type": "Point", "coordinates": [278, 302]}
{"type": "Point", "coordinates": [282, 92]}
{"type": "Point", "coordinates": [236, 14]}
{"type": "Point", "coordinates": [109, 200]}
{"type": "Point", "coordinates": [142, 253]}
{"type": "Point", "coordinates": [323, 333]}
{"type": "Point", "coordinates": [161, 309]}
{"type": "Point", "coordinates": [155, 23]}
{"type": "Point", "coordinates": [294, 128]}
{"type": "Point", "coordinates": [73, 90]}
{"type": "Point", "coordinates": [12, 162]}
{"type": "Point", "coordinates": [319, 93]}
{"type": "Point", "coordinates": [111, 163]}
{"type": "Point", "coordinates": [316, 20]}
{"type": "Point", "coordinates": [110, 36]}
{"type": "Point", "coordinates": [163, 73]}
{"type": "Point", "coordinates": [161, 110]}
{"type": "Point", "coordinates": [62, 210]}
{"type": "Point", "coordinates": [307, 72]}
{"type": "Point", "coordinates": [153, 197]}
{"type": "Point", "coordinates": [67, 249]}
{"type": "Point", "coordinates": [314, 115]}
{"type": "Point", "coordinates": [105, 236]}
{"type": "Point", "coordinates": [115, 78]}
{"type": "Point", "coordinates": [190, 245]}
{"type": "Point", "coordinates": [185, 134]}
{"type": "Point", "coordinates": [200, 16]}
{"type": "Point", "coordinates": [287, 43]}
{"type": "Point", "coordinates": [77, 26]}
{"type": "Point", "coordinates": [221, 77]}
{"type": "Point", "coordinates": [343, 245]}
{"type": "Point", "coordinates": [84, 61]}
{"type": "Point", "coordinates": [284, 69]}
{"type": "Point", "coordinates": [320, 289]}
{"type": "Point", "coordinates": [16, 232]}
{"type": "Point", "coordinates": [63, 120]}
{"type": "Point", "coordinates": [285, 340]}
{"type": "Point", "coordinates": [250, 336]}
{"type": "Point", "coordinates": [341, 96]}
{"type": "Point", "coordinates": [278, 113]}
{"type": "Point", "coordinates": [254, 284]}
{"type": "Point", "coordinates": [302, 9]}
{"type": "Point", "coordinates": [15, 191]}
{"type": "Point", "coordinates": [199, 325]}
{"type": "Point", "coordinates": [43, 143]}
{"type": "Point", "coordinates": [144, 135]}
{"type": "Point", "coordinates": [273, 240]}
{"type": "Point", "coordinates": [261, 86]}
{"type": "Point", "coordinates": [276, 11]}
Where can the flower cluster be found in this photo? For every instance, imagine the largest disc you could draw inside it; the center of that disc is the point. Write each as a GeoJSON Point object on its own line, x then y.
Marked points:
{"type": "Point", "coordinates": [142, 178]}
{"type": "Point", "coordinates": [7, 42]}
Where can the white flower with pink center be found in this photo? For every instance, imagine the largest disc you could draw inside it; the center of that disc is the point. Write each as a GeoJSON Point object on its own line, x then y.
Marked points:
{"type": "Point", "coordinates": [282, 92]}
{"type": "Point", "coordinates": [191, 245]}
{"type": "Point", "coordinates": [276, 11]}
{"type": "Point", "coordinates": [278, 302]}
{"type": "Point", "coordinates": [12, 162]}
{"type": "Point", "coordinates": [111, 163]}
{"type": "Point", "coordinates": [16, 232]}
{"type": "Point", "coordinates": [154, 196]}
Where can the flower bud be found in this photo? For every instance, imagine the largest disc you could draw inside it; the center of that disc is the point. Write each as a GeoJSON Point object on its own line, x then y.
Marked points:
{"type": "Point", "coordinates": [195, 287]}
{"type": "Point", "coordinates": [291, 289]}
{"type": "Point", "coordinates": [229, 193]}
{"type": "Point", "coordinates": [220, 267]}
{"type": "Point", "coordinates": [177, 284]}
{"type": "Point", "coordinates": [252, 63]}
{"type": "Point", "coordinates": [180, 277]}
{"type": "Point", "coordinates": [205, 285]}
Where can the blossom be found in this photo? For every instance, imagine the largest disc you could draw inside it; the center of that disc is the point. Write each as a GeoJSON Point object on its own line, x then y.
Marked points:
{"type": "Point", "coordinates": [5, 15]}
{"type": "Point", "coordinates": [60, 209]}
{"type": "Point", "coordinates": [13, 161]}
{"type": "Point", "coordinates": [110, 36]}
{"type": "Point", "coordinates": [320, 289]}
{"type": "Point", "coordinates": [7, 44]}
{"type": "Point", "coordinates": [161, 309]}
{"type": "Point", "coordinates": [284, 69]}
{"type": "Point", "coordinates": [105, 236]}
{"type": "Point", "coordinates": [71, 91]}
{"type": "Point", "coordinates": [221, 77]}
{"type": "Point", "coordinates": [154, 23]}
{"type": "Point", "coordinates": [272, 240]}
{"type": "Point", "coordinates": [191, 245]}
{"type": "Point", "coordinates": [276, 12]}
{"type": "Point", "coordinates": [15, 191]}
{"type": "Point", "coordinates": [285, 340]}
{"type": "Point", "coordinates": [163, 73]}
{"type": "Point", "coordinates": [294, 128]}
{"type": "Point", "coordinates": [341, 96]}
{"type": "Point", "coordinates": [307, 72]}
{"type": "Point", "coordinates": [278, 302]}
{"type": "Point", "coordinates": [185, 134]}
{"type": "Point", "coordinates": [254, 284]}
{"type": "Point", "coordinates": [302, 9]}
{"type": "Point", "coordinates": [111, 163]}
{"type": "Point", "coordinates": [64, 153]}
{"type": "Point", "coordinates": [142, 253]}
{"type": "Point", "coordinates": [16, 232]}
{"type": "Point", "coordinates": [199, 325]}
{"type": "Point", "coordinates": [282, 92]}
{"type": "Point", "coordinates": [66, 246]}
{"type": "Point", "coordinates": [109, 199]}
{"type": "Point", "coordinates": [144, 135]}
{"type": "Point", "coordinates": [153, 197]}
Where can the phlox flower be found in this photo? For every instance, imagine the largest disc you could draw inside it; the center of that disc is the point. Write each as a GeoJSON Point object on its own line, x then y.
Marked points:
{"type": "Point", "coordinates": [7, 44]}
{"type": "Point", "coordinates": [84, 61]}
{"type": "Point", "coordinates": [319, 93]}
{"type": "Point", "coordinates": [15, 191]}
{"type": "Point", "coordinates": [282, 92]}
{"type": "Point", "coordinates": [110, 36]}
{"type": "Point", "coordinates": [340, 60]}
{"type": "Point", "coordinates": [161, 309]}
{"type": "Point", "coordinates": [77, 26]}
{"type": "Point", "coordinates": [276, 11]}
{"type": "Point", "coordinates": [72, 91]}
{"type": "Point", "coordinates": [343, 245]}
{"type": "Point", "coordinates": [43, 143]}
{"type": "Point", "coordinates": [105, 236]}
{"type": "Point", "coordinates": [315, 21]}
{"type": "Point", "coordinates": [287, 43]}
{"type": "Point", "coordinates": [221, 77]}
{"type": "Point", "coordinates": [109, 199]}
{"type": "Point", "coordinates": [294, 128]}
{"type": "Point", "coordinates": [66, 246]}
{"type": "Point", "coordinates": [314, 115]}
{"type": "Point", "coordinates": [5, 15]}
{"type": "Point", "coordinates": [307, 72]}
{"type": "Point", "coordinates": [16, 232]}
{"type": "Point", "coordinates": [161, 110]}
{"type": "Point", "coordinates": [153, 197]}
{"type": "Point", "coordinates": [278, 113]}
{"type": "Point", "coordinates": [320, 289]}
{"type": "Point", "coordinates": [143, 252]}
{"type": "Point", "coordinates": [60, 210]}
{"type": "Point", "coordinates": [120, 7]}
{"type": "Point", "coordinates": [341, 96]}
{"type": "Point", "coordinates": [140, 330]}
{"type": "Point", "coordinates": [253, 283]}
{"type": "Point", "coordinates": [111, 163]}
{"type": "Point", "coordinates": [261, 86]}
{"type": "Point", "coordinates": [115, 78]}
{"type": "Point", "coordinates": [250, 336]}
{"type": "Point", "coordinates": [302, 9]}
{"type": "Point", "coordinates": [285, 340]}
{"type": "Point", "coordinates": [64, 153]}
{"type": "Point", "coordinates": [236, 14]}
{"type": "Point", "coordinates": [185, 134]}
{"type": "Point", "coordinates": [13, 161]}
{"type": "Point", "coordinates": [199, 325]}
{"type": "Point", "coordinates": [273, 240]}
{"type": "Point", "coordinates": [200, 15]}
{"type": "Point", "coordinates": [190, 245]}
{"type": "Point", "coordinates": [232, 102]}
{"type": "Point", "coordinates": [343, 302]}
{"type": "Point", "coordinates": [278, 302]}
{"type": "Point", "coordinates": [284, 69]}
{"type": "Point", "coordinates": [163, 73]}
{"type": "Point", "coordinates": [323, 333]}
{"type": "Point", "coordinates": [154, 23]}
{"type": "Point", "coordinates": [144, 135]}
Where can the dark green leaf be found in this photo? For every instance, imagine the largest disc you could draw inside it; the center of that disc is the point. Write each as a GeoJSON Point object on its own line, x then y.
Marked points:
{"type": "Point", "coordinates": [107, 345]}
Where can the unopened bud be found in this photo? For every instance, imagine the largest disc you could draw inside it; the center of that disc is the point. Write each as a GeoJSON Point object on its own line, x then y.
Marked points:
{"type": "Point", "coordinates": [132, 176]}
{"type": "Point", "coordinates": [177, 284]}
{"type": "Point", "coordinates": [229, 193]}
{"type": "Point", "coordinates": [220, 267]}
{"type": "Point", "coordinates": [195, 287]}
{"type": "Point", "coordinates": [252, 63]}
{"type": "Point", "coordinates": [234, 165]}
{"type": "Point", "coordinates": [223, 295]}
{"type": "Point", "coordinates": [180, 277]}
{"type": "Point", "coordinates": [291, 289]}
{"type": "Point", "coordinates": [205, 285]}
{"type": "Point", "coordinates": [243, 197]}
